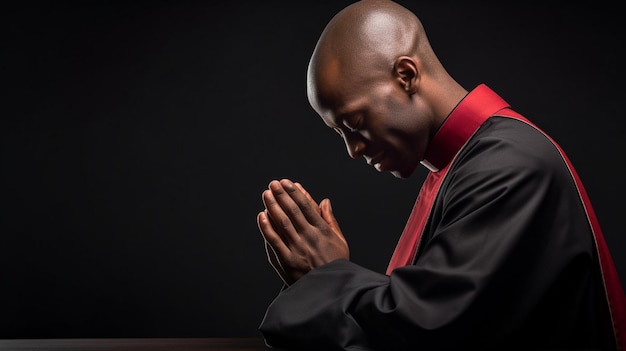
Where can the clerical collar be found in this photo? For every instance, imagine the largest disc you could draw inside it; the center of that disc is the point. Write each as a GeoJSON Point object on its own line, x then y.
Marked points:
{"type": "Point", "coordinates": [478, 105]}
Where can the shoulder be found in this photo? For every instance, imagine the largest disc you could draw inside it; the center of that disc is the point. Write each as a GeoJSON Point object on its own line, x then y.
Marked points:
{"type": "Point", "coordinates": [509, 156]}
{"type": "Point", "coordinates": [504, 143]}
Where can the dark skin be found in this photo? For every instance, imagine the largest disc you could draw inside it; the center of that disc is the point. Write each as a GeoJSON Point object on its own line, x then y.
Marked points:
{"type": "Point", "coordinates": [374, 79]}
{"type": "Point", "coordinates": [299, 234]}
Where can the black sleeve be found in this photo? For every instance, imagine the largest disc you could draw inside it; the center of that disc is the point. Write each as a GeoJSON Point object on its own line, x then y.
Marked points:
{"type": "Point", "coordinates": [500, 237]}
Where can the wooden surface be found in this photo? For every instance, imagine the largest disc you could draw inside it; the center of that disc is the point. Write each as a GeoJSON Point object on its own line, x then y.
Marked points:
{"type": "Point", "coordinates": [139, 344]}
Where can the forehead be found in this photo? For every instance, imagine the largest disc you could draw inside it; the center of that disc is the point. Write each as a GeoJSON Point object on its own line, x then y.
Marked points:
{"type": "Point", "coordinates": [323, 81]}
{"type": "Point", "coordinates": [330, 90]}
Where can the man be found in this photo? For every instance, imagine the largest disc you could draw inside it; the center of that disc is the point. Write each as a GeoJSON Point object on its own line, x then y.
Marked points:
{"type": "Point", "coordinates": [502, 249]}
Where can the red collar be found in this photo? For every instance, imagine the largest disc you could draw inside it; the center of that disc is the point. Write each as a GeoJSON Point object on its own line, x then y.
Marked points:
{"type": "Point", "coordinates": [478, 105]}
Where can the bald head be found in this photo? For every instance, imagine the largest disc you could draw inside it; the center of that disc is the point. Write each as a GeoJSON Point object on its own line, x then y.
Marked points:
{"type": "Point", "coordinates": [360, 45]}
{"type": "Point", "coordinates": [375, 80]}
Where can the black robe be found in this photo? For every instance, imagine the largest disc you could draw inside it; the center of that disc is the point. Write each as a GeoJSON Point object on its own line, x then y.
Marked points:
{"type": "Point", "coordinates": [506, 259]}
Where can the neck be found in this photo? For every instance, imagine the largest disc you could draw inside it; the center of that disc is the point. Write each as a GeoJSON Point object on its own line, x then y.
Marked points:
{"type": "Point", "coordinates": [446, 96]}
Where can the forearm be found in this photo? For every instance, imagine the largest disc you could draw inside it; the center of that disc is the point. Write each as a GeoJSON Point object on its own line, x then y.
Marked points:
{"type": "Point", "coordinates": [315, 311]}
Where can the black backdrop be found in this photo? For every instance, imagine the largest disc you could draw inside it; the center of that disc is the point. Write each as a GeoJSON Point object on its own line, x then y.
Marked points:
{"type": "Point", "coordinates": [137, 138]}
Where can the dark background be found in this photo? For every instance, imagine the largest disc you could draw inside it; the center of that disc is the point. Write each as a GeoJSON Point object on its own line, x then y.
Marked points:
{"type": "Point", "coordinates": [137, 138]}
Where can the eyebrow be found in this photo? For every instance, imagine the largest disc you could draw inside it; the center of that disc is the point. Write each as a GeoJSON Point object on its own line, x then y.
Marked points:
{"type": "Point", "coordinates": [333, 121]}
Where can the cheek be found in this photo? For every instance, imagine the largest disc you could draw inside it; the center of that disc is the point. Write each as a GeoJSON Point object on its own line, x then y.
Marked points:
{"type": "Point", "coordinates": [386, 107]}
{"type": "Point", "coordinates": [392, 120]}
{"type": "Point", "coordinates": [401, 123]}
{"type": "Point", "coordinates": [405, 131]}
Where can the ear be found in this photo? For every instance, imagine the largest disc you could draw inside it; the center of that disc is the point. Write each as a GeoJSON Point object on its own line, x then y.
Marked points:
{"type": "Point", "coordinates": [407, 73]}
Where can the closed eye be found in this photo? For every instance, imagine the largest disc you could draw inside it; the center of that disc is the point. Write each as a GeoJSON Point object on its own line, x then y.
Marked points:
{"type": "Point", "coordinates": [353, 127]}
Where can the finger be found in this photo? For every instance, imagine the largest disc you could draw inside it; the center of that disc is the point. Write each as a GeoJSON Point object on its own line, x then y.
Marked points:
{"type": "Point", "coordinates": [298, 208]}
{"type": "Point", "coordinates": [273, 259]}
{"type": "Point", "coordinates": [270, 235]}
{"type": "Point", "coordinates": [307, 194]}
{"type": "Point", "coordinates": [287, 204]}
{"type": "Point", "coordinates": [275, 263]}
{"type": "Point", "coordinates": [279, 218]}
{"type": "Point", "coordinates": [328, 215]}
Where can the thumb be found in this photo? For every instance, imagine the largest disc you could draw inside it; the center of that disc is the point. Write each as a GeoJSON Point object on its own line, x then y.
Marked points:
{"type": "Point", "coordinates": [329, 217]}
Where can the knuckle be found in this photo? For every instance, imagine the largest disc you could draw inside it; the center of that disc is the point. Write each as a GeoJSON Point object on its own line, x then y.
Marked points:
{"type": "Point", "coordinates": [313, 238]}
{"type": "Point", "coordinates": [293, 209]}
{"type": "Point", "coordinates": [284, 223]}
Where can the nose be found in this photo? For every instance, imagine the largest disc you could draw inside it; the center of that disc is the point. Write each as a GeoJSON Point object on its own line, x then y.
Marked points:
{"type": "Point", "coordinates": [355, 144]}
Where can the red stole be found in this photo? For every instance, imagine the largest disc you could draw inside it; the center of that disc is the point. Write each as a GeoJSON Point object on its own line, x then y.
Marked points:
{"type": "Point", "coordinates": [480, 104]}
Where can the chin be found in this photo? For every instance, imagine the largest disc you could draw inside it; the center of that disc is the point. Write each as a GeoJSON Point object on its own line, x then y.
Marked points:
{"type": "Point", "coordinates": [403, 173]}
{"type": "Point", "coordinates": [400, 175]}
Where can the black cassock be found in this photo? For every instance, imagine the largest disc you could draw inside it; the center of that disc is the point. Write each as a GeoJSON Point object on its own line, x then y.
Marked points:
{"type": "Point", "coordinates": [502, 251]}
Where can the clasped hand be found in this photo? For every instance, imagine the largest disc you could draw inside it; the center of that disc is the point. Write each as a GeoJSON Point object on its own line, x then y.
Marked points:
{"type": "Point", "coordinates": [299, 234]}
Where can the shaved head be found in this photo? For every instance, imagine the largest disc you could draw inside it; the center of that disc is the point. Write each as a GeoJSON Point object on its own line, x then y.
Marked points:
{"type": "Point", "coordinates": [375, 80]}
{"type": "Point", "coordinates": [362, 42]}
